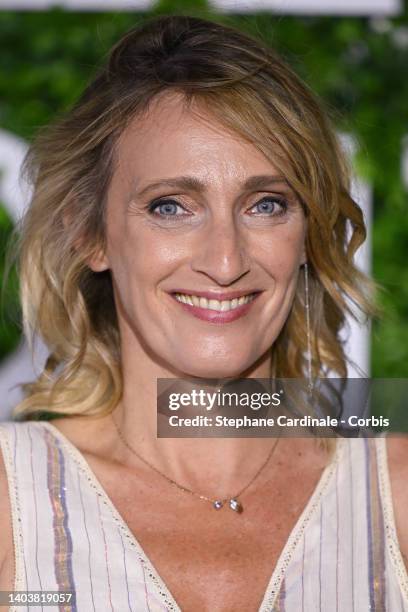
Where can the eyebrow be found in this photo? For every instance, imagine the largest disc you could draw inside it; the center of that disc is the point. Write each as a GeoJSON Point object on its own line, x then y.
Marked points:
{"type": "Point", "coordinates": [190, 183]}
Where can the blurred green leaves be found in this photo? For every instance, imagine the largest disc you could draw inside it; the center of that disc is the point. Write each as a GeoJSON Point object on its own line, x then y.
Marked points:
{"type": "Point", "coordinates": [9, 303]}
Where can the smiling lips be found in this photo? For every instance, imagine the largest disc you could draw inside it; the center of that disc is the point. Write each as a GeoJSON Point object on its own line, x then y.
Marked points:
{"type": "Point", "coordinates": [224, 309]}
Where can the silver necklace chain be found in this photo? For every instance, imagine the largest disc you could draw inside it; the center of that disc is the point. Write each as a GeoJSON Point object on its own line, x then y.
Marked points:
{"type": "Point", "coordinates": [217, 504]}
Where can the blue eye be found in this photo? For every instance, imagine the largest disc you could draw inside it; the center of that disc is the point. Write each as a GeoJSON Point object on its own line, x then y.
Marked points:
{"type": "Point", "coordinates": [165, 208]}
{"type": "Point", "coordinates": [267, 206]}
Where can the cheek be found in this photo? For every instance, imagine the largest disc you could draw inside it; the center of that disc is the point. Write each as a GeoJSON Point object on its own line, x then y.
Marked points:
{"type": "Point", "coordinates": [141, 258]}
{"type": "Point", "coordinates": [280, 255]}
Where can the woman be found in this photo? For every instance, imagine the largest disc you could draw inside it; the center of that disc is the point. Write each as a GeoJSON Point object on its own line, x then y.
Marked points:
{"type": "Point", "coordinates": [189, 221]}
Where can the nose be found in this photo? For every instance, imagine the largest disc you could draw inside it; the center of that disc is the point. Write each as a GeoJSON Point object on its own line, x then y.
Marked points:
{"type": "Point", "coordinates": [222, 253]}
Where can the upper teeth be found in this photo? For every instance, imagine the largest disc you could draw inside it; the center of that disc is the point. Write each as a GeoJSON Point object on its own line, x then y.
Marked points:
{"type": "Point", "coordinates": [221, 306]}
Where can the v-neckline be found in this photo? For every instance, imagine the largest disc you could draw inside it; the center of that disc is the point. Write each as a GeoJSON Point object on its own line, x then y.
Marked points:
{"type": "Point", "coordinates": [163, 592]}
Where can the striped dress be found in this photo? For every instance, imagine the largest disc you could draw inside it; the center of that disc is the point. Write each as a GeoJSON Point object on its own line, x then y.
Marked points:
{"type": "Point", "coordinates": [341, 556]}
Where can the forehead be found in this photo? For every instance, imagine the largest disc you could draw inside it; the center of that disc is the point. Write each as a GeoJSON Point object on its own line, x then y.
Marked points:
{"type": "Point", "coordinates": [173, 138]}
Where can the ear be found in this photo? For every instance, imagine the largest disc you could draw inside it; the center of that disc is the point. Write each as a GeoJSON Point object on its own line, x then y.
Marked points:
{"type": "Point", "coordinates": [98, 262]}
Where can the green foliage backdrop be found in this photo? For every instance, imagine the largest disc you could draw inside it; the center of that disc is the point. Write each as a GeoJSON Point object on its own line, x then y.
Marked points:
{"type": "Point", "coordinates": [358, 66]}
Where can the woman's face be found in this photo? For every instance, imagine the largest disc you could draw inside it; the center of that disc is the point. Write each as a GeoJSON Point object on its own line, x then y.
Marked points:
{"type": "Point", "coordinates": [204, 243]}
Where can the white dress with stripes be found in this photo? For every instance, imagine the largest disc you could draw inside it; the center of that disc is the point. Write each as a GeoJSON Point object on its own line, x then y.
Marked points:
{"type": "Point", "coordinates": [342, 555]}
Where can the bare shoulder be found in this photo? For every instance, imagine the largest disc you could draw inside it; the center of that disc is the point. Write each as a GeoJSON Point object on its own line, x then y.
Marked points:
{"type": "Point", "coordinates": [397, 455]}
{"type": "Point", "coordinates": [6, 540]}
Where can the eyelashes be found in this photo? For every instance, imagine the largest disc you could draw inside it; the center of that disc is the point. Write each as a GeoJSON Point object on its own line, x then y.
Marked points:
{"type": "Point", "coordinates": [171, 209]}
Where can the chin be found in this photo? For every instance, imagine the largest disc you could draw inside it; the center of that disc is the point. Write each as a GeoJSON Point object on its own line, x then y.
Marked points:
{"type": "Point", "coordinates": [212, 369]}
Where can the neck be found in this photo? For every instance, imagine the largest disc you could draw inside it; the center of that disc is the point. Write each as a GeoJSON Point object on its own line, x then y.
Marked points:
{"type": "Point", "coordinates": [194, 462]}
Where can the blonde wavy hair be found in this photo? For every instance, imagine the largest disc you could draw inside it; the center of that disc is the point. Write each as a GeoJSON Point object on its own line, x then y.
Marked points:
{"type": "Point", "coordinates": [247, 87]}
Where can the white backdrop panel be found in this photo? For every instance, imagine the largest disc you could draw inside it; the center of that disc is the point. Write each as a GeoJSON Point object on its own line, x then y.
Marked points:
{"type": "Point", "coordinates": [328, 7]}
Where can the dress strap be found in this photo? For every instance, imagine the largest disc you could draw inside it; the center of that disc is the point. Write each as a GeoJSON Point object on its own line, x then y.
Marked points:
{"type": "Point", "coordinates": [7, 444]}
{"type": "Point", "coordinates": [388, 512]}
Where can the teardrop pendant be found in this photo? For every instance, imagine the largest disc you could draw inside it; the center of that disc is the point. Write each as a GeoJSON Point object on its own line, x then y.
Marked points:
{"type": "Point", "coordinates": [235, 505]}
{"type": "Point", "coordinates": [217, 504]}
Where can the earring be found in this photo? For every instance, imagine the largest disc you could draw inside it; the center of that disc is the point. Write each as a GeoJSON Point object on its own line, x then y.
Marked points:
{"type": "Point", "coordinates": [309, 346]}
